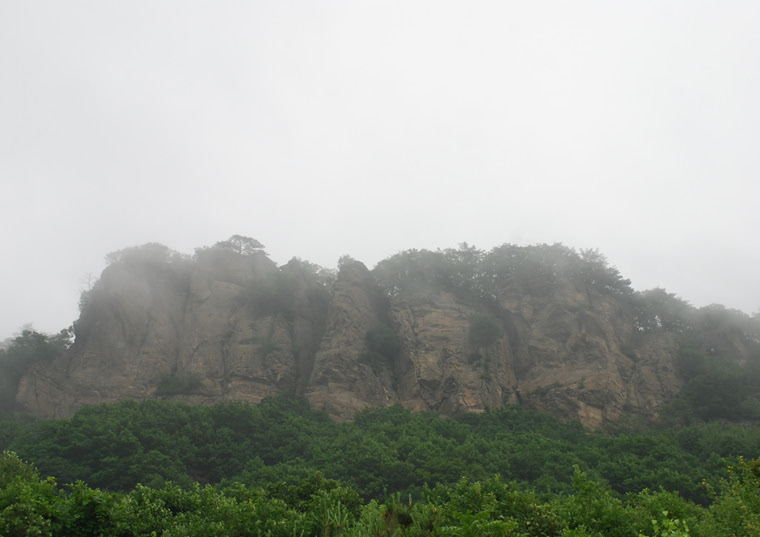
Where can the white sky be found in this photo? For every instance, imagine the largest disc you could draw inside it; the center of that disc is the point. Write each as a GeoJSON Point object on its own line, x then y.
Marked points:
{"type": "Point", "coordinates": [369, 127]}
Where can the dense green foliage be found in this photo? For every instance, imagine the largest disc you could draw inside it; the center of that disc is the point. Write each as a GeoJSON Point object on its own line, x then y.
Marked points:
{"type": "Point", "coordinates": [317, 506]}
{"type": "Point", "coordinates": [114, 447]}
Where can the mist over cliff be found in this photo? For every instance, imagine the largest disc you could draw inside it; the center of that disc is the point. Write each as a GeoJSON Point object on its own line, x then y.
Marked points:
{"type": "Point", "coordinates": [456, 330]}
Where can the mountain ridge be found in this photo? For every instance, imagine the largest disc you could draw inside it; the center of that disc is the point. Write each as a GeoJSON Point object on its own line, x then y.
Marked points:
{"type": "Point", "coordinates": [458, 330]}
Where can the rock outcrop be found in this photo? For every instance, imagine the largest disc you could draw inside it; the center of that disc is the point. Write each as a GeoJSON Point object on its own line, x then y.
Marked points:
{"type": "Point", "coordinates": [224, 326]}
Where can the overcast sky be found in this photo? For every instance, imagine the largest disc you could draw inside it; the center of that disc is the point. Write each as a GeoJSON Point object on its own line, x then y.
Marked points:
{"type": "Point", "coordinates": [366, 128]}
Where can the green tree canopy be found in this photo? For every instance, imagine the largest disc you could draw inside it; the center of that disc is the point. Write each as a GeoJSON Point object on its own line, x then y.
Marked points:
{"type": "Point", "coordinates": [241, 245]}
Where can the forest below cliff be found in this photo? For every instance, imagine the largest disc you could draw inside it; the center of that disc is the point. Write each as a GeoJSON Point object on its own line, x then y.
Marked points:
{"type": "Point", "coordinates": [281, 468]}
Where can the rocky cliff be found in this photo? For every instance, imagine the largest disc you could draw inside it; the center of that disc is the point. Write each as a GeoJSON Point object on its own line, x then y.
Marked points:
{"type": "Point", "coordinates": [449, 331]}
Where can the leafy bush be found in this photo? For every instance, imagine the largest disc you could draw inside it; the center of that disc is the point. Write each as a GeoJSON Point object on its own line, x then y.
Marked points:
{"type": "Point", "coordinates": [669, 527]}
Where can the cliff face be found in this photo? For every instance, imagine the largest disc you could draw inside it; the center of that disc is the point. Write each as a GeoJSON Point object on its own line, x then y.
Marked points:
{"type": "Point", "coordinates": [227, 326]}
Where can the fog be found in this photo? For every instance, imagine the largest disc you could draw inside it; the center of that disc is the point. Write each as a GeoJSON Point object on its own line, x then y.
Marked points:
{"type": "Point", "coordinates": [366, 128]}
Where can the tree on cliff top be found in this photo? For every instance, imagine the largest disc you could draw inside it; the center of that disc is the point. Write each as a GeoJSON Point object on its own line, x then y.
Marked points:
{"type": "Point", "coordinates": [28, 348]}
{"type": "Point", "coordinates": [149, 254]}
{"type": "Point", "coordinates": [242, 245]}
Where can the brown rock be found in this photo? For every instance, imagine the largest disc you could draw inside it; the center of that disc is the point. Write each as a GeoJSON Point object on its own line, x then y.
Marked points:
{"type": "Point", "coordinates": [228, 326]}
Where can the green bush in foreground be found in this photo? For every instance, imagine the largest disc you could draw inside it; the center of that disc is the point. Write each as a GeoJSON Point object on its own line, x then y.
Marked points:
{"type": "Point", "coordinates": [31, 505]}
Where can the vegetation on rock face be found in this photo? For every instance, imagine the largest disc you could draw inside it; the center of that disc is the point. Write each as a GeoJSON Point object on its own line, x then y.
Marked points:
{"type": "Point", "coordinates": [382, 346]}
{"type": "Point", "coordinates": [178, 384]}
{"type": "Point", "coordinates": [297, 288]}
{"type": "Point", "coordinates": [484, 330]}
{"type": "Point", "coordinates": [714, 388]}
